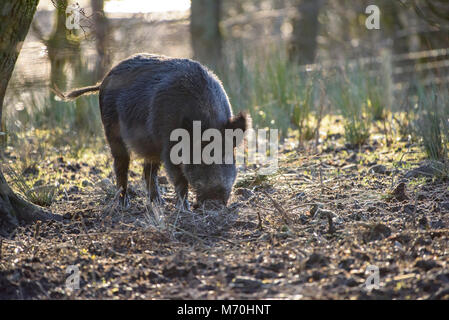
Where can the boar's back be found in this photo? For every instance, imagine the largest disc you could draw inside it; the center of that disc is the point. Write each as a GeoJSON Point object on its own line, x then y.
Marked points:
{"type": "Point", "coordinates": [151, 95]}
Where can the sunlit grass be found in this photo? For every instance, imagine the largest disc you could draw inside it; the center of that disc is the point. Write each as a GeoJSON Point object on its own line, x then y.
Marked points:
{"type": "Point", "coordinates": [431, 124]}
{"type": "Point", "coordinates": [275, 91]}
{"type": "Point", "coordinates": [40, 194]}
{"type": "Point", "coordinates": [347, 93]}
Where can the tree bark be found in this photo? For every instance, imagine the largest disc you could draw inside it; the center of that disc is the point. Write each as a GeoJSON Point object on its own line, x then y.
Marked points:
{"type": "Point", "coordinates": [303, 45]}
{"type": "Point", "coordinates": [205, 31]}
{"type": "Point", "coordinates": [15, 20]}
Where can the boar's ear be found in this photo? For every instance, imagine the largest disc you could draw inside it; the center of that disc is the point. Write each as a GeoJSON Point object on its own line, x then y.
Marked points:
{"type": "Point", "coordinates": [187, 124]}
{"type": "Point", "coordinates": [239, 121]}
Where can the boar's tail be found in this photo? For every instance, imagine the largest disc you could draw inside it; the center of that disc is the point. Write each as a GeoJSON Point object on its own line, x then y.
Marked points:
{"type": "Point", "coordinates": [77, 92]}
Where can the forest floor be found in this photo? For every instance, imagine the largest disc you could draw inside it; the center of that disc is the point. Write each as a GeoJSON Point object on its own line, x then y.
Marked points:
{"type": "Point", "coordinates": [317, 229]}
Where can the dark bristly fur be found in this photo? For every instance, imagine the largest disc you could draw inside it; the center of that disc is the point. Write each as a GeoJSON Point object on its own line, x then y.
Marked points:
{"type": "Point", "coordinates": [142, 100]}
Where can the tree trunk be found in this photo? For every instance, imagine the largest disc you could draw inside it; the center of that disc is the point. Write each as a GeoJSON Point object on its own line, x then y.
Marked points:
{"type": "Point", "coordinates": [13, 208]}
{"type": "Point", "coordinates": [205, 31]}
{"type": "Point", "coordinates": [101, 27]}
{"type": "Point", "coordinates": [15, 20]}
{"type": "Point", "coordinates": [303, 45]}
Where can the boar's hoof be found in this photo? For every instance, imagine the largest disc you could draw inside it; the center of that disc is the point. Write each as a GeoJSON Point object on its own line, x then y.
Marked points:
{"type": "Point", "coordinates": [124, 201]}
{"type": "Point", "coordinates": [157, 200]}
{"type": "Point", "coordinates": [183, 204]}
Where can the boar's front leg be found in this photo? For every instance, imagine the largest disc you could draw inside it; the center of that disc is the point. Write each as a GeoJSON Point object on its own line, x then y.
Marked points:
{"type": "Point", "coordinates": [150, 170]}
{"type": "Point", "coordinates": [181, 185]}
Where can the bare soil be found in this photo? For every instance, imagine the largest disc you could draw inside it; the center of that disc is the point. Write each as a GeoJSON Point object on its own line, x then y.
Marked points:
{"type": "Point", "coordinates": [310, 231]}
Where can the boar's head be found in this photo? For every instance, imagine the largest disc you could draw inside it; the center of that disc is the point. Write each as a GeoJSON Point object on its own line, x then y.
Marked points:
{"type": "Point", "coordinates": [212, 182]}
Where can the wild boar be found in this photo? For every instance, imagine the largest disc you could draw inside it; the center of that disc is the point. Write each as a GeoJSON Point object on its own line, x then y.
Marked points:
{"type": "Point", "coordinates": [143, 100]}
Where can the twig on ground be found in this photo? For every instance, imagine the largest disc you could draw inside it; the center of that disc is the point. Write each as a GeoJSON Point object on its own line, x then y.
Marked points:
{"type": "Point", "coordinates": [415, 209]}
{"type": "Point", "coordinates": [278, 208]}
{"type": "Point", "coordinates": [36, 230]}
{"type": "Point", "coordinates": [259, 226]}
{"type": "Point", "coordinates": [331, 229]}
{"type": "Point", "coordinates": [188, 233]}
{"type": "Point", "coordinates": [117, 253]}
{"type": "Point", "coordinates": [320, 117]}
{"type": "Point", "coordinates": [321, 178]}
{"type": "Point", "coordinates": [84, 227]}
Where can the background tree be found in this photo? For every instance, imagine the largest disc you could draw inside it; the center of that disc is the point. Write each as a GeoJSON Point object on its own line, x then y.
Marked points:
{"type": "Point", "coordinates": [101, 31]}
{"type": "Point", "coordinates": [205, 31]}
{"type": "Point", "coordinates": [436, 14]}
{"type": "Point", "coordinates": [62, 45]}
{"type": "Point", "coordinates": [303, 44]}
{"type": "Point", "coordinates": [15, 20]}
{"type": "Point", "coordinates": [65, 54]}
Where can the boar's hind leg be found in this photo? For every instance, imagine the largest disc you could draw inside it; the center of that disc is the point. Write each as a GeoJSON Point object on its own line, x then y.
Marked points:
{"type": "Point", "coordinates": [150, 170]}
{"type": "Point", "coordinates": [121, 166]}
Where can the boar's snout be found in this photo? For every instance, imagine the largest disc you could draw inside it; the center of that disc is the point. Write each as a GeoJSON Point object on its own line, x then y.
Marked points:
{"type": "Point", "coordinates": [216, 196]}
{"type": "Point", "coordinates": [212, 183]}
